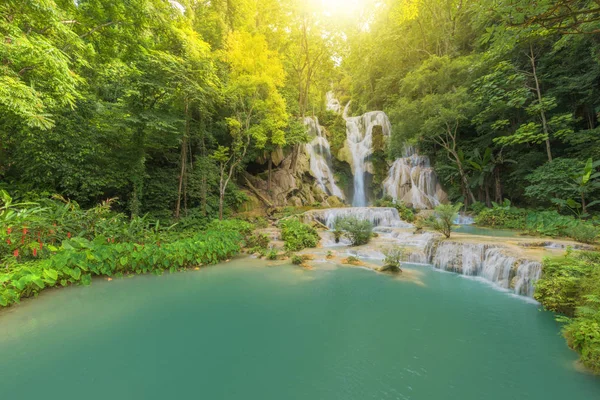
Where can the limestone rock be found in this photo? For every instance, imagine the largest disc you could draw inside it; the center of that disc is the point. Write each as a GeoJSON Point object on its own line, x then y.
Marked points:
{"type": "Point", "coordinates": [334, 202]}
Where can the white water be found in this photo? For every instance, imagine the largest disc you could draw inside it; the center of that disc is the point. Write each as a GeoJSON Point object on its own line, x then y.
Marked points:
{"type": "Point", "coordinates": [488, 262]}
{"type": "Point", "coordinates": [320, 158]}
{"type": "Point", "coordinates": [377, 216]}
{"type": "Point", "coordinates": [333, 104]}
{"type": "Point", "coordinates": [359, 139]}
{"type": "Point", "coordinates": [464, 219]}
{"type": "Point", "coordinates": [411, 180]}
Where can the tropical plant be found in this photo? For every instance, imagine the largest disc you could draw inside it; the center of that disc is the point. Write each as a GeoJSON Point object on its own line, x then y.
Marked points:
{"type": "Point", "coordinates": [443, 218]}
{"type": "Point", "coordinates": [297, 235]}
{"type": "Point", "coordinates": [358, 231]}
{"type": "Point", "coordinates": [393, 259]}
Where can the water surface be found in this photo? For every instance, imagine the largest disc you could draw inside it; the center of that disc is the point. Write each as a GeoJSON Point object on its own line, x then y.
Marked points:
{"type": "Point", "coordinates": [246, 331]}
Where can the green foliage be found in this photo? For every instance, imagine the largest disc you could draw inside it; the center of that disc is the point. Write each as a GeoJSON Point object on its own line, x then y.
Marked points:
{"type": "Point", "coordinates": [549, 180]}
{"type": "Point", "coordinates": [78, 260]}
{"type": "Point", "coordinates": [406, 214]}
{"type": "Point", "coordinates": [443, 218]}
{"type": "Point", "coordinates": [297, 259]}
{"type": "Point", "coordinates": [297, 235]}
{"type": "Point", "coordinates": [393, 259]}
{"type": "Point", "coordinates": [570, 286]}
{"type": "Point", "coordinates": [257, 242]}
{"type": "Point", "coordinates": [358, 231]}
{"type": "Point", "coordinates": [546, 223]}
{"type": "Point", "coordinates": [502, 216]}
{"type": "Point", "coordinates": [244, 228]}
{"type": "Point", "coordinates": [272, 254]}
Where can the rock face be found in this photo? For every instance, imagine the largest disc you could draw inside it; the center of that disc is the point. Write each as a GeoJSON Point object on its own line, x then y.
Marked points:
{"type": "Point", "coordinates": [288, 187]}
{"type": "Point", "coordinates": [412, 181]}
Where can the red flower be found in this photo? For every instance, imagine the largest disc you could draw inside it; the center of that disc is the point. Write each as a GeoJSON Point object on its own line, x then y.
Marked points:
{"type": "Point", "coordinates": [25, 231]}
{"type": "Point", "coordinates": [34, 252]}
{"type": "Point", "coordinates": [41, 245]}
{"type": "Point", "coordinates": [8, 230]}
{"type": "Point", "coordinates": [16, 253]}
{"type": "Point", "coordinates": [69, 235]}
{"type": "Point", "coordinates": [8, 241]}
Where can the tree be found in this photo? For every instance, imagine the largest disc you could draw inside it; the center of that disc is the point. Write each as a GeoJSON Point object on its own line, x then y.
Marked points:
{"type": "Point", "coordinates": [229, 159]}
{"type": "Point", "coordinates": [443, 218]}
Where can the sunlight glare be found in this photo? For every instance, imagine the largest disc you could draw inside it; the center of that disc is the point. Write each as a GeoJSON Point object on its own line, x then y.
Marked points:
{"type": "Point", "coordinates": [337, 7]}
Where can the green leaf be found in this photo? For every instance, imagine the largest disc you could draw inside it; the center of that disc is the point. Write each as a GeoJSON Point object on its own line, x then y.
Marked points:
{"type": "Point", "coordinates": [51, 273]}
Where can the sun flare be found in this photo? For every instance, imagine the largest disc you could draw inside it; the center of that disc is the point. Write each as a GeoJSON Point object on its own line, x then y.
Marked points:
{"type": "Point", "coordinates": [336, 7]}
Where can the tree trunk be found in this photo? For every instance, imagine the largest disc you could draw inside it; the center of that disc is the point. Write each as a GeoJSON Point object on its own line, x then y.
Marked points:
{"type": "Point", "coordinates": [203, 183]}
{"type": "Point", "coordinates": [539, 96]}
{"type": "Point", "coordinates": [583, 205]}
{"type": "Point", "coordinates": [138, 173]}
{"type": "Point", "coordinates": [488, 200]}
{"type": "Point", "coordinates": [269, 179]}
{"type": "Point", "coordinates": [221, 201]}
{"type": "Point", "coordinates": [182, 160]}
{"type": "Point", "coordinates": [498, 184]}
{"type": "Point", "coordinates": [463, 177]}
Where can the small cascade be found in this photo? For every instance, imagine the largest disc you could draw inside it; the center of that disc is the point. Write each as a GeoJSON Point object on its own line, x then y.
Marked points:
{"type": "Point", "coordinates": [378, 216]}
{"type": "Point", "coordinates": [464, 219]}
{"type": "Point", "coordinates": [332, 104]}
{"type": "Point", "coordinates": [412, 181]}
{"type": "Point", "coordinates": [527, 274]}
{"type": "Point", "coordinates": [320, 158]}
{"type": "Point", "coordinates": [486, 261]}
{"type": "Point", "coordinates": [359, 139]}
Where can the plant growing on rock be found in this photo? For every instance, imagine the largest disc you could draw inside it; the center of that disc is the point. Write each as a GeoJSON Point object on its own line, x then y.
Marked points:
{"type": "Point", "coordinates": [393, 259]}
{"type": "Point", "coordinates": [358, 231]}
{"type": "Point", "coordinates": [298, 236]}
{"type": "Point", "coordinates": [443, 218]}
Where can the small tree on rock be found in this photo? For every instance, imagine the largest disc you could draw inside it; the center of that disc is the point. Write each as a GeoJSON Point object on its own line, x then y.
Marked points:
{"type": "Point", "coordinates": [443, 218]}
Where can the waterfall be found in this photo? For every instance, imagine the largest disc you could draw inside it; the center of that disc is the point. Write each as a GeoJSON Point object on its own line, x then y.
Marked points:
{"type": "Point", "coordinates": [359, 139]}
{"type": "Point", "coordinates": [333, 104]}
{"type": "Point", "coordinates": [489, 262]}
{"type": "Point", "coordinates": [377, 216]}
{"type": "Point", "coordinates": [320, 158]}
{"type": "Point", "coordinates": [527, 274]}
{"type": "Point", "coordinates": [412, 181]}
{"type": "Point", "coordinates": [463, 219]}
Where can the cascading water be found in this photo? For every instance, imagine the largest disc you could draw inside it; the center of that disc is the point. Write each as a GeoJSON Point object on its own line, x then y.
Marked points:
{"type": "Point", "coordinates": [333, 104]}
{"type": "Point", "coordinates": [320, 158]}
{"type": "Point", "coordinates": [412, 181]}
{"type": "Point", "coordinates": [359, 139]}
{"type": "Point", "coordinates": [463, 219]}
{"type": "Point", "coordinates": [486, 261]}
{"type": "Point", "coordinates": [377, 216]}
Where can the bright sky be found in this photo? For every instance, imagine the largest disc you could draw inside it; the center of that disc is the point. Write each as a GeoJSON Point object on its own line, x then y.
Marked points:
{"type": "Point", "coordinates": [337, 7]}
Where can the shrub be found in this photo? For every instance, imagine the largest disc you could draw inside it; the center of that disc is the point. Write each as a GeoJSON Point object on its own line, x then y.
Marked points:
{"type": "Point", "coordinates": [79, 259]}
{"type": "Point", "coordinates": [242, 227]}
{"type": "Point", "coordinates": [406, 213]}
{"type": "Point", "coordinates": [477, 207]}
{"type": "Point", "coordinates": [257, 241]}
{"type": "Point", "coordinates": [502, 216]}
{"type": "Point", "coordinates": [393, 259]}
{"type": "Point", "coordinates": [358, 231]}
{"type": "Point", "coordinates": [297, 260]}
{"type": "Point", "coordinates": [443, 218]}
{"type": "Point", "coordinates": [551, 223]}
{"type": "Point", "coordinates": [297, 235]}
{"type": "Point", "coordinates": [272, 254]}
{"type": "Point", "coordinates": [570, 285]}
